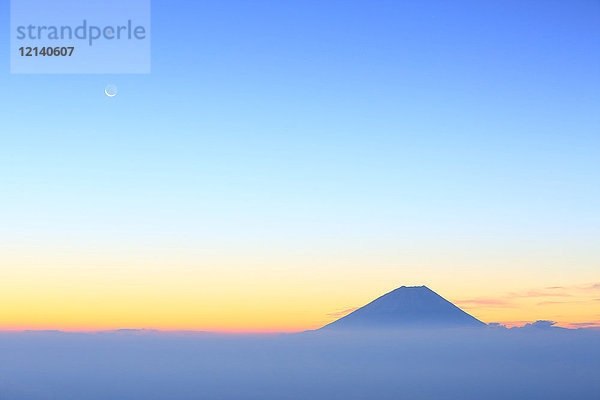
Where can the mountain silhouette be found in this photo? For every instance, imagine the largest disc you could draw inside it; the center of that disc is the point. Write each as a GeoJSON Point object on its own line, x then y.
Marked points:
{"type": "Point", "coordinates": [406, 307]}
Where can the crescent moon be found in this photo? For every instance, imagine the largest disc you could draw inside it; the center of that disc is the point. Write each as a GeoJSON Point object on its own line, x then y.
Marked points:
{"type": "Point", "coordinates": [108, 94]}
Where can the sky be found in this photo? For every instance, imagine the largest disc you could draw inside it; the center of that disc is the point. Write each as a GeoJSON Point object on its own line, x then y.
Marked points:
{"type": "Point", "coordinates": [283, 164]}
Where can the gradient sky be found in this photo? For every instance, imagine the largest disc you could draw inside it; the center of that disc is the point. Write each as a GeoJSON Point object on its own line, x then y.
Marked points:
{"type": "Point", "coordinates": [284, 163]}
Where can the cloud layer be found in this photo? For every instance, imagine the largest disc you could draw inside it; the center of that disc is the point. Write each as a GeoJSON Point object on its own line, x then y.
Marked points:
{"type": "Point", "coordinates": [490, 364]}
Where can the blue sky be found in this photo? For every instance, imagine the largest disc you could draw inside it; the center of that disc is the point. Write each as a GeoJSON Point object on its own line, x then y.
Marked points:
{"type": "Point", "coordinates": [320, 125]}
{"type": "Point", "coordinates": [429, 104]}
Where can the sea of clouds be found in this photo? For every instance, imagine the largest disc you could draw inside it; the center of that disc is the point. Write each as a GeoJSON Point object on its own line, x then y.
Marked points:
{"type": "Point", "coordinates": [537, 362]}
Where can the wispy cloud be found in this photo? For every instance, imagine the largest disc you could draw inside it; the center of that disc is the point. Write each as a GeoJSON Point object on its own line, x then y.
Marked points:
{"type": "Point", "coordinates": [591, 324]}
{"type": "Point", "coordinates": [586, 287]}
{"type": "Point", "coordinates": [558, 292]}
{"type": "Point", "coordinates": [545, 303]}
{"type": "Point", "coordinates": [342, 312]}
{"type": "Point", "coordinates": [539, 293]}
{"type": "Point", "coordinates": [484, 302]}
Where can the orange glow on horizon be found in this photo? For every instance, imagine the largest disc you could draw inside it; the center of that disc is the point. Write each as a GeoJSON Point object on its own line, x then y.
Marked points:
{"type": "Point", "coordinates": [81, 290]}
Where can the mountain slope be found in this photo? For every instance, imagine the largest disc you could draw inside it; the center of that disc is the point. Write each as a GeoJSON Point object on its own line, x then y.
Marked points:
{"type": "Point", "coordinates": [406, 307]}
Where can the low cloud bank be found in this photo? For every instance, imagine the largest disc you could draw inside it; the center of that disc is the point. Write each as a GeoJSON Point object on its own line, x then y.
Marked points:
{"type": "Point", "coordinates": [483, 364]}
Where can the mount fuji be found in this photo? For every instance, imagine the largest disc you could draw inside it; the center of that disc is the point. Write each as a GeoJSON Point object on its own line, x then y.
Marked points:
{"type": "Point", "coordinates": [406, 307]}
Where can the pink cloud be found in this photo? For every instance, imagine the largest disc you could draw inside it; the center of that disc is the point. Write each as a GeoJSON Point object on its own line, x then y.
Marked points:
{"type": "Point", "coordinates": [591, 324]}
{"type": "Point", "coordinates": [343, 312]}
{"type": "Point", "coordinates": [559, 291]}
{"type": "Point", "coordinates": [484, 302]}
{"type": "Point", "coordinates": [538, 293]}
{"type": "Point", "coordinates": [549, 291]}
{"type": "Point", "coordinates": [545, 303]}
